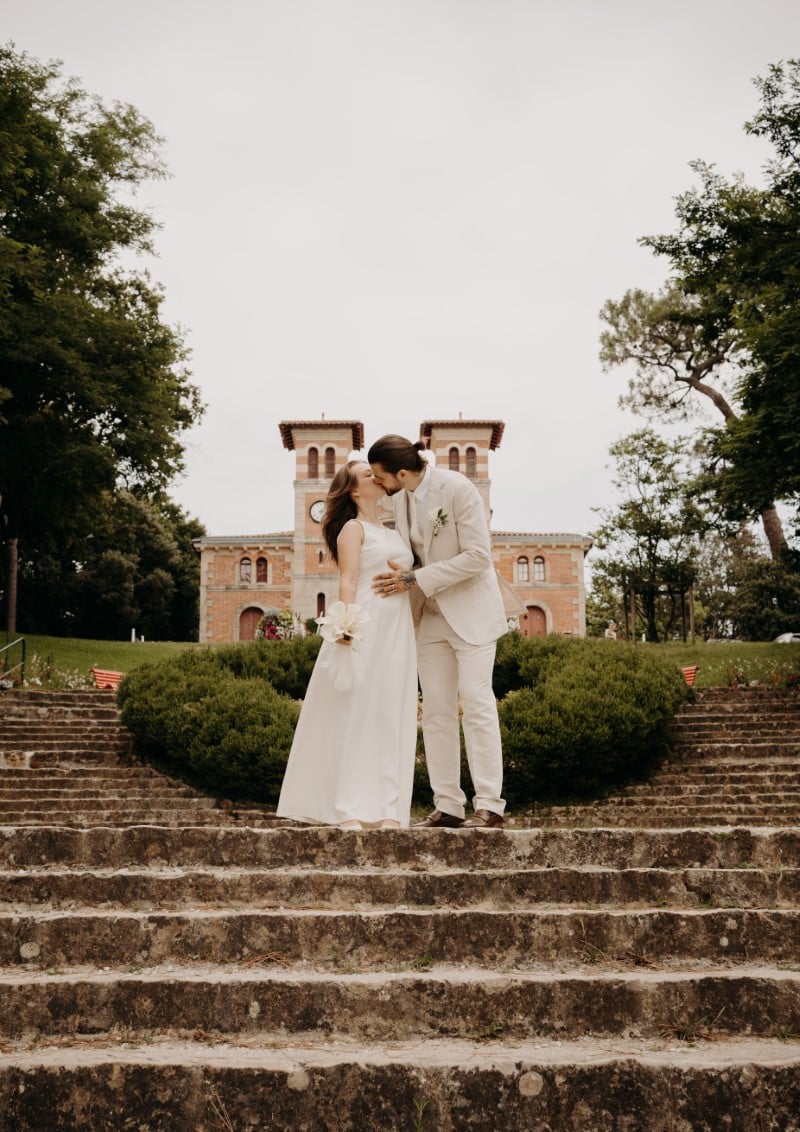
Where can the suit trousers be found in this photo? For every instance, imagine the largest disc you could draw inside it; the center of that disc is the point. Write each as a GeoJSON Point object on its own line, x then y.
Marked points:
{"type": "Point", "coordinates": [449, 667]}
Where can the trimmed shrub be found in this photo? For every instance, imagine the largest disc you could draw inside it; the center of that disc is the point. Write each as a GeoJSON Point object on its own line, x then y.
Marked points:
{"type": "Point", "coordinates": [286, 665]}
{"type": "Point", "coordinates": [578, 717]}
{"type": "Point", "coordinates": [229, 732]}
{"type": "Point", "coordinates": [590, 716]}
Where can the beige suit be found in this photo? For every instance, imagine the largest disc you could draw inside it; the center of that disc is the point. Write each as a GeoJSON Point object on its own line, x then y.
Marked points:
{"type": "Point", "coordinates": [459, 614]}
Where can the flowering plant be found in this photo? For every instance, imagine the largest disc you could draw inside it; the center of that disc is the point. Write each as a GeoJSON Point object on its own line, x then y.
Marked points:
{"type": "Point", "coordinates": [342, 622]}
{"type": "Point", "coordinates": [275, 625]}
{"type": "Point", "coordinates": [439, 519]}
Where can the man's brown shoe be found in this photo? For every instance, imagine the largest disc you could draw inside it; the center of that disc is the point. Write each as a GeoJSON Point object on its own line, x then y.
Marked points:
{"type": "Point", "coordinates": [438, 820]}
{"type": "Point", "coordinates": [484, 819]}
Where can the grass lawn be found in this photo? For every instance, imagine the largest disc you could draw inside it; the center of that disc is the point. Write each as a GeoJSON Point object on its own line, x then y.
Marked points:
{"type": "Point", "coordinates": [732, 662]}
{"type": "Point", "coordinates": [64, 662]}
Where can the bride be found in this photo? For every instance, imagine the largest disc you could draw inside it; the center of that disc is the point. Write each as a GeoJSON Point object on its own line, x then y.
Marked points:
{"type": "Point", "coordinates": [352, 757]}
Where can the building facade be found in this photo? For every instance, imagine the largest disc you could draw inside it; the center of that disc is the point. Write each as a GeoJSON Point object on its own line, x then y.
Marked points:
{"type": "Point", "coordinates": [242, 576]}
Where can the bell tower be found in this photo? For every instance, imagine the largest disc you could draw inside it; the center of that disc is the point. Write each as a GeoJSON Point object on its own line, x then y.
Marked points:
{"type": "Point", "coordinates": [321, 448]}
{"type": "Point", "coordinates": [464, 446]}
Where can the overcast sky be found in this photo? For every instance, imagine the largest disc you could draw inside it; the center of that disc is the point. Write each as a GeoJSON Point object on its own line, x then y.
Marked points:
{"type": "Point", "coordinates": [399, 210]}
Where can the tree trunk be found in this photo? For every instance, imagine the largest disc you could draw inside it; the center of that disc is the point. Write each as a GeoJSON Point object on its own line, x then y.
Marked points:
{"type": "Point", "coordinates": [11, 586]}
{"type": "Point", "coordinates": [773, 529]}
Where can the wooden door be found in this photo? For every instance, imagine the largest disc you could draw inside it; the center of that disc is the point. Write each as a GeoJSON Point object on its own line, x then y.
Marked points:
{"type": "Point", "coordinates": [248, 623]}
{"type": "Point", "coordinates": [535, 622]}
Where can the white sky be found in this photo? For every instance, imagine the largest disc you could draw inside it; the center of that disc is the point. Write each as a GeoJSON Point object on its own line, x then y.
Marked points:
{"type": "Point", "coordinates": [398, 210]}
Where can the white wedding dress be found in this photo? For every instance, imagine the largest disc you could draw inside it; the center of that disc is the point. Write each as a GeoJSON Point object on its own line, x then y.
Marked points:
{"type": "Point", "coordinates": [352, 756]}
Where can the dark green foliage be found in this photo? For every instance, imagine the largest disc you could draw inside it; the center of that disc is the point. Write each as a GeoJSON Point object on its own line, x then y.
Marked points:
{"type": "Point", "coordinates": [229, 732]}
{"type": "Point", "coordinates": [578, 716]}
{"type": "Point", "coordinates": [94, 384]}
{"type": "Point", "coordinates": [587, 715]}
{"type": "Point", "coordinates": [286, 665]}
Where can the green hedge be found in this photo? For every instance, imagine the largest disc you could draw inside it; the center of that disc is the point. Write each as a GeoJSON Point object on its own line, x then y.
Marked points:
{"type": "Point", "coordinates": [577, 716]}
{"type": "Point", "coordinates": [229, 732]}
{"type": "Point", "coordinates": [585, 716]}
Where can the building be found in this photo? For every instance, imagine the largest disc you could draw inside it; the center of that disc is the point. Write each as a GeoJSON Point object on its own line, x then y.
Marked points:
{"type": "Point", "coordinates": [242, 576]}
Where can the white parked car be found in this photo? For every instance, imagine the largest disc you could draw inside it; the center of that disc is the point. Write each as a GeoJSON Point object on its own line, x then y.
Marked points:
{"type": "Point", "coordinates": [788, 639]}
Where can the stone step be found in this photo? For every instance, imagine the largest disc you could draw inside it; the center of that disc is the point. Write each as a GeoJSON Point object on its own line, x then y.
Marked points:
{"type": "Point", "coordinates": [488, 889]}
{"type": "Point", "coordinates": [691, 794]}
{"type": "Point", "coordinates": [117, 789]}
{"type": "Point", "coordinates": [364, 939]}
{"type": "Point", "coordinates": [66, 774]}
{"type": "Point", "coordinates": [701, 776]}
{"type": "Point", "coordinates": [423, 1004]}
{"type": "Point", "coordinates": [166, 1085]}
{"type": "Point", "coordinates": [135, 795]}
{"type": "Point", "coordinates": [711, 750]}
{"type": "Point", "coordinates": [667, 817]}
{"type": "Point", "coordinates": [179, 813]}
{"type": "Point", "coordinates": [47, 808]}
{"type": "Point", "coordinates": [287, 846]}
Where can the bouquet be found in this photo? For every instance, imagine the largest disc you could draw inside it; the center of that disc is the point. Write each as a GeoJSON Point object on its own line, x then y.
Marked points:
{"type": "Point", "coordinates": [343, 623]}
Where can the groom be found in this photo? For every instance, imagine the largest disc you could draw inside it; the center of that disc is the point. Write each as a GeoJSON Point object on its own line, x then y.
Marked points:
{"type": "Point", "coordinates": [459, 614]}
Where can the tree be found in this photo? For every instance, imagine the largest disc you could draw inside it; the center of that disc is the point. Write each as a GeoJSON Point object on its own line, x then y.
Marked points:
{"type": "Point", "coordinates": [649, 542]}
{"type": "Point", "coordinates": [94, 385]}
{"type": "Point", "coordinates": [736, 259]}
{"type": "Point", "coordinates": [137, 570]}
{"type": "Point", "coordinates": [679, 355]}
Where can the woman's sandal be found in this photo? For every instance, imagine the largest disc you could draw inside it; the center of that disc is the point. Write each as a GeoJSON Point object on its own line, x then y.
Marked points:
{"type": "Point", "coordinates": [390, 823]}
{"type": "Point", "coordinates": [350, 825]}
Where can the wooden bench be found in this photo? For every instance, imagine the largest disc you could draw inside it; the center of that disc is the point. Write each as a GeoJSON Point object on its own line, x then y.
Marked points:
{"type": "Point", "coordinates": [105, 678]}
{"type": "Point", "coordinates": [690, 674]}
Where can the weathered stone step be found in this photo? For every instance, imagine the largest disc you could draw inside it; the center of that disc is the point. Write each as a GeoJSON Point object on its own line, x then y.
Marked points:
{"type": "Point", "coordinates": [497, 889]}
{"type": "Point", "coordinates": [693, 795]}
{"type": "Point", "coordinates": [181, 812]}
{"type": "Point", "coordinates": [327, 848]}
{"type": "Point", "coordinates": [400, 1005]}
{"type": "Point", "coordinates": [132, 798]}
{"type": "Point", "coordinates": [668, 817]}
{"type": "Point", "coordinates": [514, 939]}
{"type": "Point", "coordinates": [712, 750]}
{"type": "Point", "coordinates": [63, 758]}
{"type": "Point", "coordinates": [446, 1085]}
{"type": "Point", "coordinates": [74, 791]}
{"type": "Point", "coordinates": [100, 774]}
{"type": "Point", "coordinates": [701, 776]}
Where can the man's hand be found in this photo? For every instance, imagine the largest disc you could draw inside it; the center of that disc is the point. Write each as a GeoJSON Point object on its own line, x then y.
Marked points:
{"type": "Point", "coordinates": [398, 582]}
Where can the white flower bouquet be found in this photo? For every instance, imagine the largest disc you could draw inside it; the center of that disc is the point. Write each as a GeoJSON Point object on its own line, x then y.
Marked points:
{"type": "Point", "coordinates": [343, 623]}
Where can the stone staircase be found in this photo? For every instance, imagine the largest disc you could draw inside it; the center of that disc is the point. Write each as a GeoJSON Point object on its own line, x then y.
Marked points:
{"type": "Point", "coordinates": [65, 759]}
{"type": "Point", "coordinates": [610, 978]}
{"type": "Point", "coordinates": [736, 762]}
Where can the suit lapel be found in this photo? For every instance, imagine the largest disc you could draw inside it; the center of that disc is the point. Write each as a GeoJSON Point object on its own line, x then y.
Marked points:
{"type": "Point", "coordinates": [432, 505]}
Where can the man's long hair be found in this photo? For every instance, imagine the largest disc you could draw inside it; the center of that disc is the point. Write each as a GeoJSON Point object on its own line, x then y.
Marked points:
{"type": "Point", "coordinates": [340, 507]}
{"type": "Point", "coordinates": [394, 453]}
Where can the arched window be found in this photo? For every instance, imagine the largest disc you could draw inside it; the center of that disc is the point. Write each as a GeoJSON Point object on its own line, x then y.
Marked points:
{"type": "Point", "coordinates": [523, 570]}
{"type": "Point", "coordinates": [538, 568]}
{"type": "Point", "coordinates": [330, 461]}
{"type": "Point", "coordinates": [472, 463]}
{"type": "Point", "coordinates": [262, 570]}
{"type": "Point", "coordinates": [313, 464]}
{"type": "Point", "coordinates": [320, 605]}
{"type": "Point", "coordinates": [455, 459]}
{"type": "Point", "coordinates": [245, 570]}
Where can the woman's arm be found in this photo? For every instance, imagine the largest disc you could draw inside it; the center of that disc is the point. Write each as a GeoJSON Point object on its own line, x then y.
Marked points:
{"type": "Point", "coordinates": [349, 547]}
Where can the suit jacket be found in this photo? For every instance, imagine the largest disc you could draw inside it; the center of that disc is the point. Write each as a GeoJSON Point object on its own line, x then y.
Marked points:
{"type": "Point", "coordinates": [457, 569]}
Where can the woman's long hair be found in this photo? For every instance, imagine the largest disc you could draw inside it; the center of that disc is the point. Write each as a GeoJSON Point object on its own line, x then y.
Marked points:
{"type": "Point", "coordinates": [340, 507]}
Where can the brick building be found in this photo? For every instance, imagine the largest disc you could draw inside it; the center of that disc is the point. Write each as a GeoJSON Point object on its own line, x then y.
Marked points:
{"type": "Point", "coordinates": [243, 575]}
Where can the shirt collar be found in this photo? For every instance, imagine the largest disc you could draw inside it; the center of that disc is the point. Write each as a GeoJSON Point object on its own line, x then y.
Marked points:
{"type": "Point", "coordinates": [421, 491]}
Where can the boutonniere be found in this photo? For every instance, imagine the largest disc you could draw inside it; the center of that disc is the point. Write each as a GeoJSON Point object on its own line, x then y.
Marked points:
{"type": "Point", "coordinates": [438, 519]}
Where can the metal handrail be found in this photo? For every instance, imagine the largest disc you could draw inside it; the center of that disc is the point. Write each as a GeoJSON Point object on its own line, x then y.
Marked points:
{"type": "Point", "coordinates": [6, 672]}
